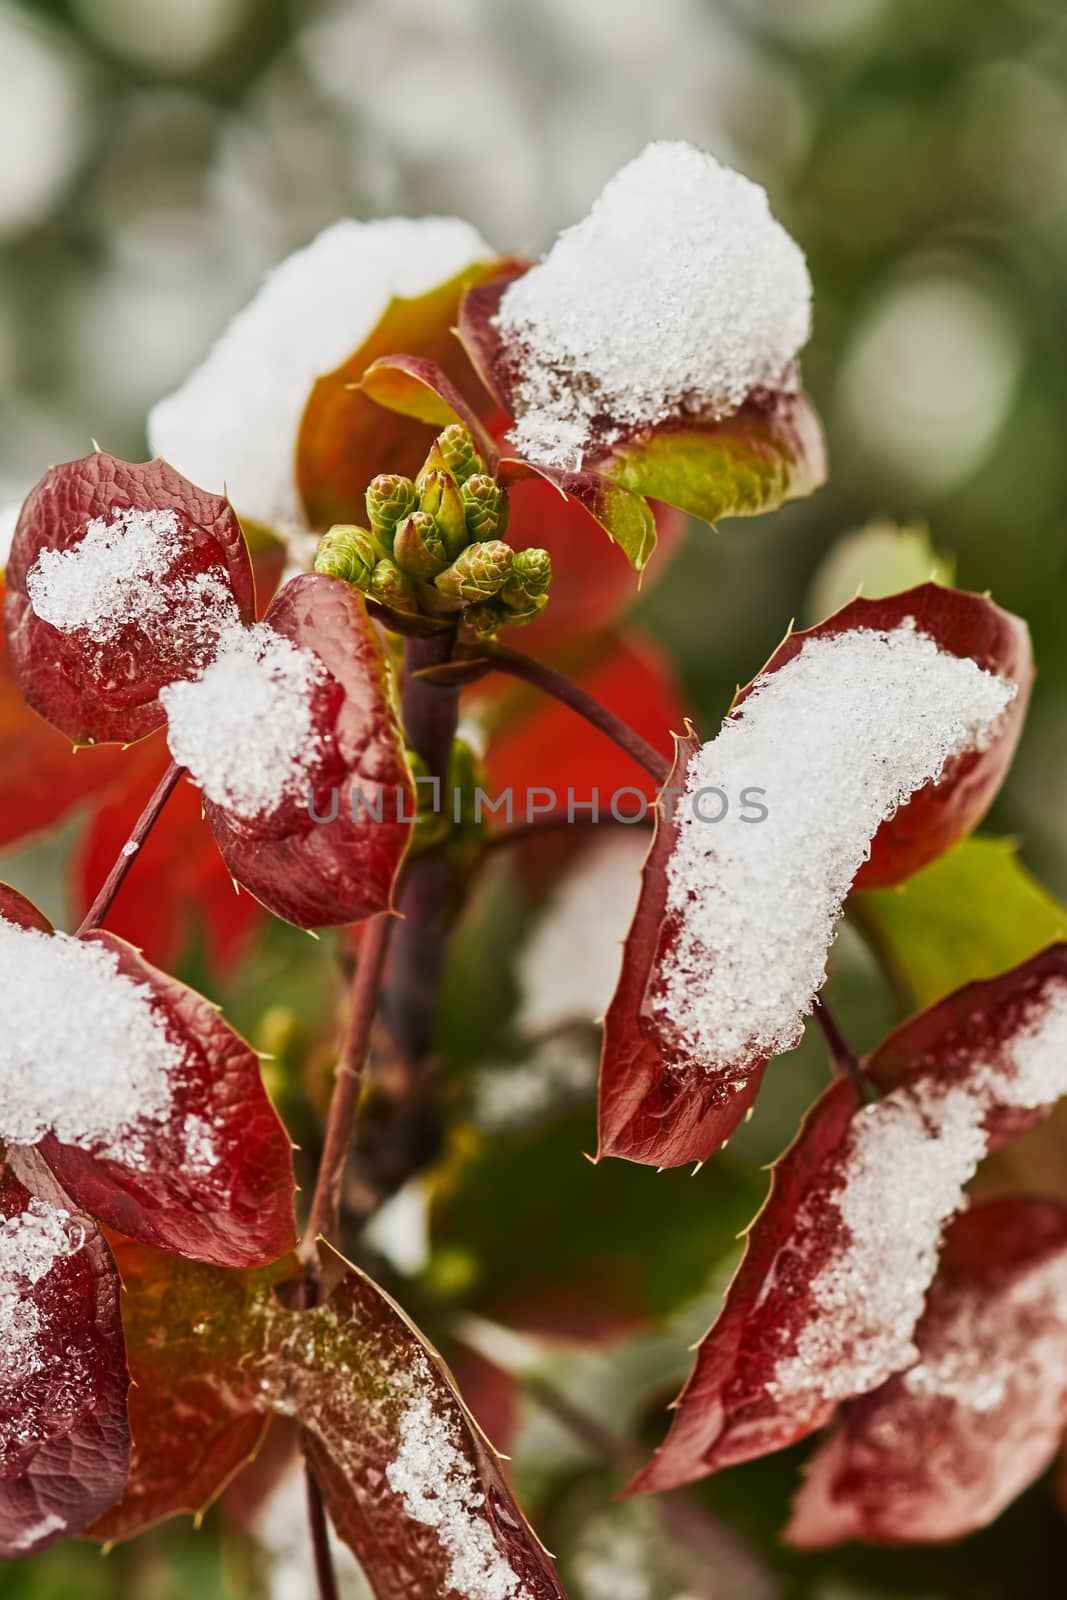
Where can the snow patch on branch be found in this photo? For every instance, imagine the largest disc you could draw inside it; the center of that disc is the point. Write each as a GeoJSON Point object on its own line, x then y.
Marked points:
{"type": "Point", "coordinates": [678, 295]}
{"type": "Point", "coordinates": [245, 725]}
{"type": "Point", "coordinates": [838, 739]}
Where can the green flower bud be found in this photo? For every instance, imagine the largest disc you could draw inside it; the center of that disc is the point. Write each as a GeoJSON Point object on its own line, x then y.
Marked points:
{"type": "Point", "coordinates": [435, 462]}
{"type": "Point", "coordinates": [419, 547]}
{"type": "Point", "coordinates": [440, 497]}
{"type": "Point", "coordinates": [528, 585]}
{"type": "Point", "coordinates": [347, 552]}
{"type": "Point", "coordinates": [478, 572]}
{"type": "Point", "coordinates": [459, 452]}
{"type": "Point", "coordinates": [393, 588]}
{"type": "Point", "coordinates": [486, 507]}
{"type": "Point", "coordinates": [390, 498]}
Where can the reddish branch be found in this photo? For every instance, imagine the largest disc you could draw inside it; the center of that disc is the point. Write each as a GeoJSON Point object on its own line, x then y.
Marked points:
{"type": "Point", "coordinates": [100, 907]}
{"type": "Point", "coordinates": [344, 1103]}
{"type": "Point", "coordinates": [550, 682]}
{"type": "Point", "coordinates": [844, 1059]}
{"type": "Point", "coordinates": [325, 1576]}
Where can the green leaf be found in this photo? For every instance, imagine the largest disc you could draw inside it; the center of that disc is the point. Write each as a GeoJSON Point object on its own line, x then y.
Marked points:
{"type": "Point", "coordinates": [971, 914]}
{"type": "Point", "coordinates": [767, 453]}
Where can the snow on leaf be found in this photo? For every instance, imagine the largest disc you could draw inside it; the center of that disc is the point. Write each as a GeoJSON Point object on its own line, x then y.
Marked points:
{"type": "Point", "coordinates": [410, 1484]}
{"type": "Point", "coordinates": [121, 577]}
{"type": "Point", "coordinates": [234, 423]}
{"type": "Point", "coordinates": [294, 739]}
{"type": "Point", "coordinates": [941, 1448]}
{"type": "Point", "coordinates": [245, 725]}
{"type": "Point", "coordinates": [149, 1109]}
{"type": "Point", "coordinates": [825, 1304]}
{"type": "Point", "coordinates": [655, 344]}
{"type": "Point", "coordinates": [740, 909]}
{"type": "Point", "coordinates": [677, 296]}
{"type": "Point", "coordinates": [64, 1439]}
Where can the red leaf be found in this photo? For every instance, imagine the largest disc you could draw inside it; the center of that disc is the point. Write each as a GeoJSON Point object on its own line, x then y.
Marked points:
{"type": "Point", "coordinates": [64, 1439]}
{"type": "Point", "coordinates": [649, 1110]}
{"type": "Point", "coordinates": [943, 813]}
{"type": "Point", "coordinates": [106, 689]}
{"type": "Point", "coordinates": [41, 777]}
{"type": "Point", "coordinates": [826, 1300]}
{"type": "Point", "coordinates": [15, 908]}
{"type": "Point", "coordinates": [694, 1022]}
{"type": "Point", "coordinates": [941, 1449]}
{"type": "Point", "coordinates": [410, 1483]}
{"type": "Point", "coordinates": [219, 1188]}
{"type": "Point", "coordinates": [327, 872]}
{"type": "Point", "coordinates": [198, 1342]}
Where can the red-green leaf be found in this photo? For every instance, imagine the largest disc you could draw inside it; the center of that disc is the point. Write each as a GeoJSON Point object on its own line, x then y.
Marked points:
{"type": "Point", "coordinates": [100, 682]}
{"type": "Point", "coordinates": [410, 1483]}
{"type": "Point", "coordinates": [770, 451]}
{"type": "Point", "coordinates": [415, 387]}
{"type": "Point", "coordinates": [346, 438]}
{"type": "Point", "coordinates": [941, 1449]}
{"type": "Point", "coordinates": [201, 1349]}
{"type": "Point", "coordinates": [593, 584]}
{"type": "Point", "coordinates": [826, 1300]}
{"type": "Point", "coordinates": [327, 872]}
{"type": "Point", "coordinates": [64, 1438]}
{"type": "Point", "coordinates": [625, 517]}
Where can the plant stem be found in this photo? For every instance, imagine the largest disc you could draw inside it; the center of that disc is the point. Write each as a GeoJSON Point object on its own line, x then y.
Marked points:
{"type": "Point", "coordinates": [550, 682]}
{"type": "Point", "coordinates": [130, 850]}
{"type": "Point", "coordinates": [430, 712]}
{"type": "Point", "coordinates": [845, 1061]}
{"type": "Point", "coordinates": [344, 1102]}
{"type": "Point", "coordinates": [325, 1577]}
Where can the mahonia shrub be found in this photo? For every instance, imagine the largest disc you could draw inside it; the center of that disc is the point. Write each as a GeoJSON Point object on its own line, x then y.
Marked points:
{"type": "Point", "coordinates": [289, 640]}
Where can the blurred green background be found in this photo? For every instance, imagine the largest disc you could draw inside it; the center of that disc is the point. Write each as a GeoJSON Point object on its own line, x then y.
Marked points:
{"type": "Point", "coordinates": [157, 155]}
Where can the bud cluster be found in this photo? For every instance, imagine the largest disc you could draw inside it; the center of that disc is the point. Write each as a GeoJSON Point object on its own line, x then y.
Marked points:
{"type": "Point", "coordinates": [436, 545]}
